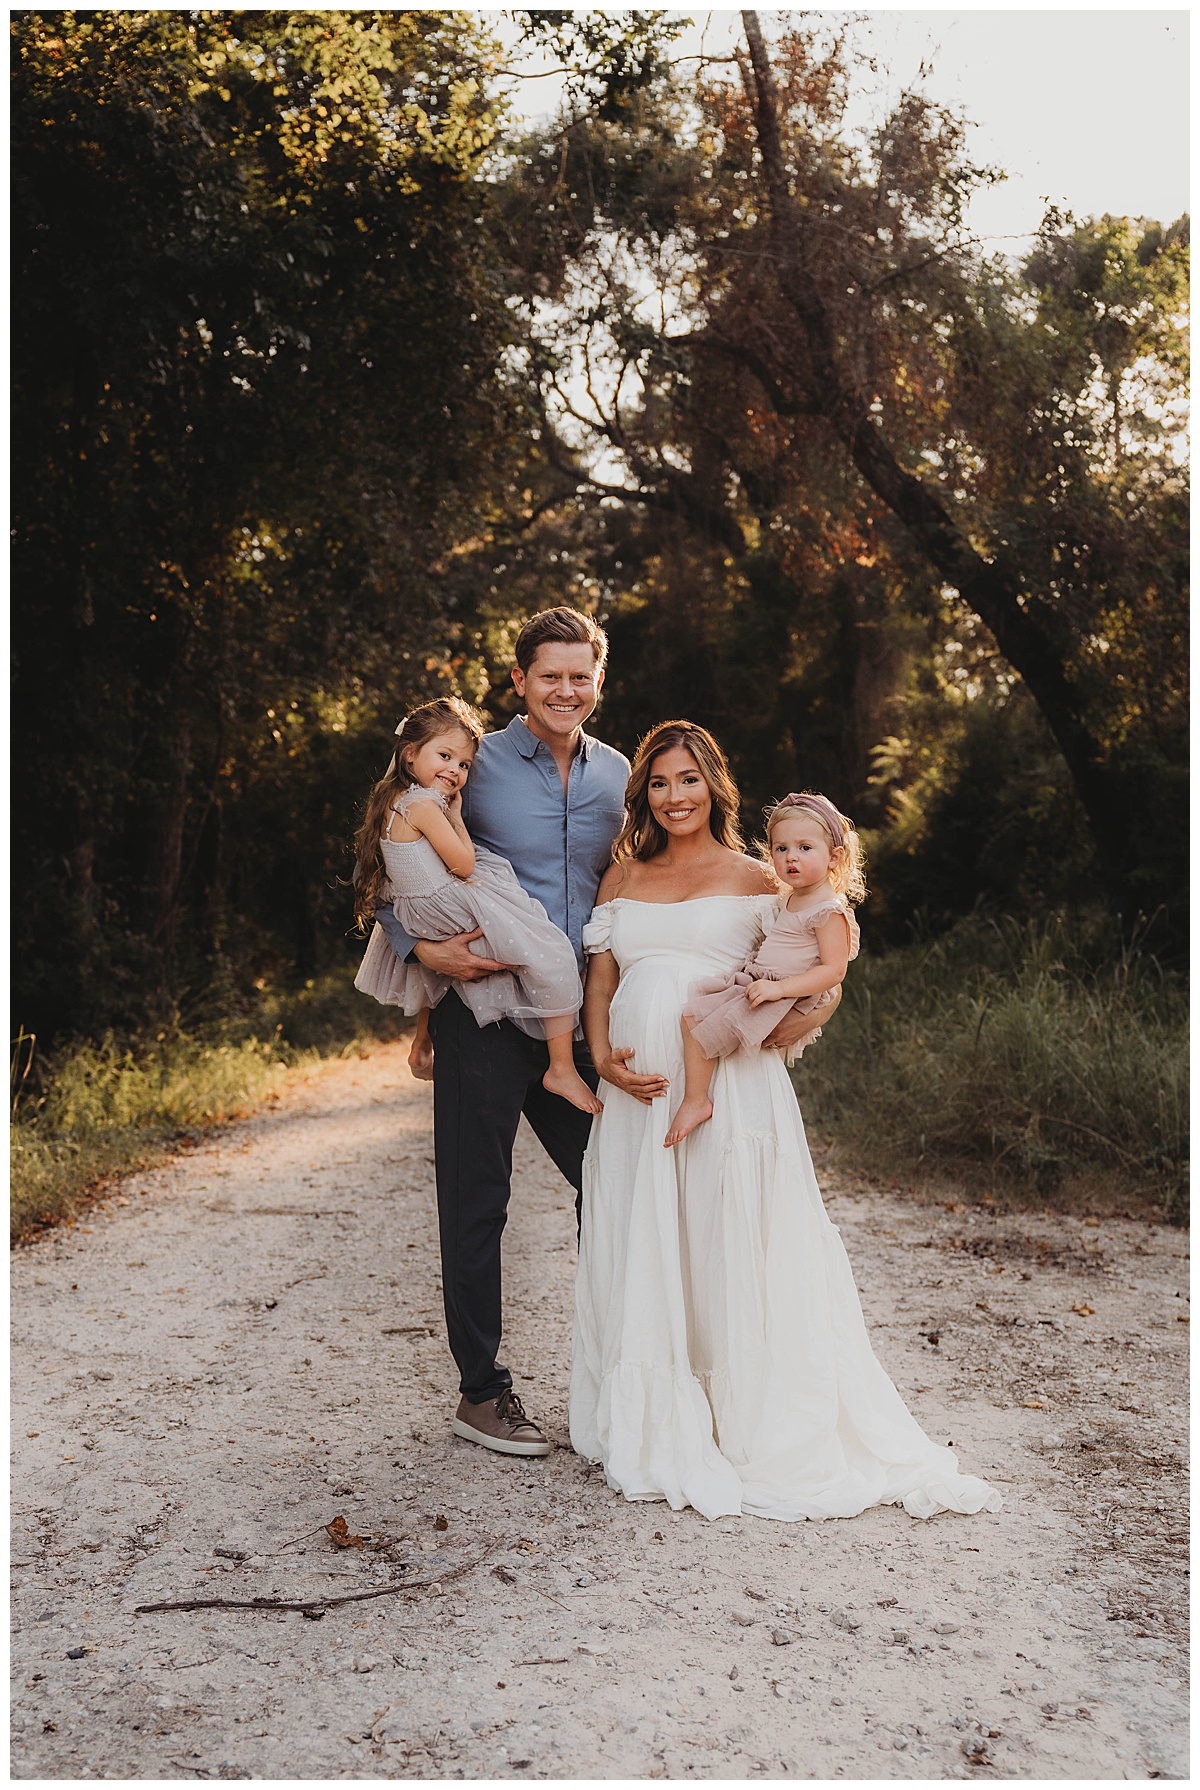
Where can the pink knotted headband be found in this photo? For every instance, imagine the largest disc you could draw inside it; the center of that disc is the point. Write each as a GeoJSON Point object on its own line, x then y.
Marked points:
{"type": "Point", "coordinates": [821, 806]}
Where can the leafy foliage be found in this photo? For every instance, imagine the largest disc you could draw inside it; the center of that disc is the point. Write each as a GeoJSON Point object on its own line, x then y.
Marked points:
{"type": "Point", "coordinates": [260, 389]}
{"type": "Point", "coordinates": [895, 417]}
{"type": "Point", "coordinates": [323, 380]}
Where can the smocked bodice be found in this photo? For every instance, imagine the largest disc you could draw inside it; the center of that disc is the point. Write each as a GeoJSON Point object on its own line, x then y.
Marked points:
{"type": "Point", "coordinates": [413, 866]}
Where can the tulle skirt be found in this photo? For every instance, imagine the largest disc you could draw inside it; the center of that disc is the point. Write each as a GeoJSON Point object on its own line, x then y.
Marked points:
{"type": "Point", "coordinates": [543, 983]}
{"type": "Point", "coordinates": [722, 1019]}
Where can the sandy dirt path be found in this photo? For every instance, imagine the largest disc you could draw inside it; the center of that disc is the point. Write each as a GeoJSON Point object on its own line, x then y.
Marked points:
{"type": "Point", "coordinates": [238, 1346]}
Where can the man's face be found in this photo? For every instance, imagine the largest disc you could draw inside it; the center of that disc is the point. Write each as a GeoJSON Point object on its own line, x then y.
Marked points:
{"type": "Point", "coordinates": [561, 688]}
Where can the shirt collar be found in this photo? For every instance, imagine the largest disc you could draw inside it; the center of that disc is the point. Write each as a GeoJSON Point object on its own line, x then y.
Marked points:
{"type": "Point", "coordinates": [527, 743]}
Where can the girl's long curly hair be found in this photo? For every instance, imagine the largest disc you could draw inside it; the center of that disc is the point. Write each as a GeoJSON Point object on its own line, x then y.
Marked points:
{"type": "Point", "coordinates": [642, 837]}
{"type": "Point", "coordinates": [446, 714]}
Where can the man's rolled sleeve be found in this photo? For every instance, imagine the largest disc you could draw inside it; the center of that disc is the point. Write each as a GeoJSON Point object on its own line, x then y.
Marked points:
{"type": "Point", "coordinates": [402, 942]}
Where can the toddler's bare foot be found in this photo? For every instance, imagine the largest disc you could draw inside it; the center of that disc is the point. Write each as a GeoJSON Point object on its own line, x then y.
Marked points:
{"type": "Point", "coordinates": [571, 1086]}
{"type": "Point", "coordinates": [692, 1112]}
{"type": "Point", "coordinates": [420, 1058]}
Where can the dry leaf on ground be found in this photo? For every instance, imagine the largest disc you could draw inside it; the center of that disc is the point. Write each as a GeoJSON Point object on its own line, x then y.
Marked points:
{"type": "Point", "coordinates": [339, 1533]}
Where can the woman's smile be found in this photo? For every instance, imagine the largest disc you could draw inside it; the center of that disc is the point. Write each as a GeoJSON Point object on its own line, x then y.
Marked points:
{"type": "Point", "coordinates": [680, 799]}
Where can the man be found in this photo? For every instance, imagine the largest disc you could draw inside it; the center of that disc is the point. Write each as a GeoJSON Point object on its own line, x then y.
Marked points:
{"type": "Point", "coordinates": [550, 798]}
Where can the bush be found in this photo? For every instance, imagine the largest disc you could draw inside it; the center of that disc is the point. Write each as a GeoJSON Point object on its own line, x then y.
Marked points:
{"type": "Point", "coordinates": [1041, 1051]}
{"type": "Point", "coordinates": [95, 1110]}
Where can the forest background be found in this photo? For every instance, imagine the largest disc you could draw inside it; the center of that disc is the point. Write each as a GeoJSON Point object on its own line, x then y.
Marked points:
{"type": "Point", "coordinates": [327, 373]}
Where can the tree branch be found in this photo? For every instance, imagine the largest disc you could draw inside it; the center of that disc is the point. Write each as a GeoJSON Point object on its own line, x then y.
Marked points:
{"type": "Point", "coordinates": [782, 403]}
{"type": "Point", "coordinates": [677, 499]}
{"type": "Point", "coordinates": [993, 588]}
{"type": "Point", "coordinates": [317, 1603]}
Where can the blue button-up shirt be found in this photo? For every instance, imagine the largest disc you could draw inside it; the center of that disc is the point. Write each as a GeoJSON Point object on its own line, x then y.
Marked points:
{"type": "Point", "coordinates": [559, 841]}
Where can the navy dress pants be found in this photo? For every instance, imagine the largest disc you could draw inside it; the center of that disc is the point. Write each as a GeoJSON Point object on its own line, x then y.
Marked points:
{"type": "Point", "coordinates": [484, 1078]}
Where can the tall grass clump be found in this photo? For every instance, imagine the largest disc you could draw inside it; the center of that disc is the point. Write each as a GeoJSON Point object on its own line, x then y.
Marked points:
{"type": "Point", "coordinates": [1035, 1053]}
{"type": "Point", "coordinates": [92, 1110]}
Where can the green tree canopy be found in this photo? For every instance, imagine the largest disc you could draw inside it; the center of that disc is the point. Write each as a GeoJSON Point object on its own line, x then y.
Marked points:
{"type": "Point", "coordinates": [260, 389]}
{"type": "Point", "coordinates": [779, 335]}
{"type": "Point", "coordinates": [324, 377]}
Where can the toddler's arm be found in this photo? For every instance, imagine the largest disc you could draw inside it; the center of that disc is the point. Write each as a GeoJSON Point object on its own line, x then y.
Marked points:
{"type": "Point", "coordinates": [446, 833]}
{"type": "Point", "coordinates": [833, 942]}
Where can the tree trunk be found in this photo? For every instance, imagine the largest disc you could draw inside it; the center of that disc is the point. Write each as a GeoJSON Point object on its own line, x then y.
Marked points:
{"type": "Point", "coordinates": [170, 859]}
{"type": "Point", "coordinates": [83, 863]}
{"type": "Point", "coordinates": [992, 588]}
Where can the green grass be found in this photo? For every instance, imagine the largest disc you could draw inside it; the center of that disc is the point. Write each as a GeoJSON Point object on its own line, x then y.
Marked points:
{"type": "Point", "coordinates": [1040, 1060]}
{"type": "Point", "coordinates": [1035, 1059]}
{"type": "Point", "coordinates": [95, 1110]}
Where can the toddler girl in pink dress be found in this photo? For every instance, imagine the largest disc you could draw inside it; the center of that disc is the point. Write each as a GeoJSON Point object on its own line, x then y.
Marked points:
{"type": "Point", "coordinates": [816, 852]}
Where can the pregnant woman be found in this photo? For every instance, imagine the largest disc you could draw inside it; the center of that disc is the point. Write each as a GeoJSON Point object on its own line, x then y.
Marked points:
{"type": "Point", "coordinates": [720, 1356]}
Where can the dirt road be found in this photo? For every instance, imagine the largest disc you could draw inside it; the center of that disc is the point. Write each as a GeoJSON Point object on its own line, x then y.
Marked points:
{"type": "Point", "coordinates": [239, 1346]}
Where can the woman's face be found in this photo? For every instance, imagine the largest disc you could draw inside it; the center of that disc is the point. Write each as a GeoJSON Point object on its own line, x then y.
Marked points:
{"type": "Point", "coordinates": [443, 762]}
{"type": "Point", "coordinates": [680, 800]}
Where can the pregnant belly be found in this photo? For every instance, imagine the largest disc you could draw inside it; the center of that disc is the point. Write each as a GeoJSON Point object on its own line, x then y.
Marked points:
{"type": "Point", "coordinates": [646, 1012]}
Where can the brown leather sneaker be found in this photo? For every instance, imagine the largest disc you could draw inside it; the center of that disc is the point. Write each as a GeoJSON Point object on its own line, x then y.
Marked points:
{"type": "Point", "coordinates": [500, 1423]}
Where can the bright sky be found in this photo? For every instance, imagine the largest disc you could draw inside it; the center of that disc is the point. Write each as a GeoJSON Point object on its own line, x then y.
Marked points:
{"type": "Point", "coordinates": [1087, 108]}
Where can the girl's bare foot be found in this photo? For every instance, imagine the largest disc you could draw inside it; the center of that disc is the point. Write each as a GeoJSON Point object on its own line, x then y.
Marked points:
{"type": "Point", "coordinates": [570, 1085]}
{"type": "Point", "coordinates": [693, 1111]}
{"type": "Point", "coordinates": [420, 1058]}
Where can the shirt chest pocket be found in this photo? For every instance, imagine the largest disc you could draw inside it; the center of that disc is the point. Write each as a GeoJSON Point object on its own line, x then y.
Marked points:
{"type": "Point", "coordinates": [606, 817]}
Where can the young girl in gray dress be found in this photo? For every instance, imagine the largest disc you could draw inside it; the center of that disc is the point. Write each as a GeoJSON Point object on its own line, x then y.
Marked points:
{"type": "Point", "coordinates": [816, 855]}
{"type": "Point", "coordinates": [414, 851]}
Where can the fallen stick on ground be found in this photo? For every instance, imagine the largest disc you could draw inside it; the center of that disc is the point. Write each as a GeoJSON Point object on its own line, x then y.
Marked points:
{"type": "Point", "coordinates": [304, 1537]}
{"type": "Point", "coordinates": [315, 1603]}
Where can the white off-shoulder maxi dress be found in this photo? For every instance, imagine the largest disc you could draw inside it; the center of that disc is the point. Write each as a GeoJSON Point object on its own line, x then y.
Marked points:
{"type": "Point", "coordinates": [720, 1357]}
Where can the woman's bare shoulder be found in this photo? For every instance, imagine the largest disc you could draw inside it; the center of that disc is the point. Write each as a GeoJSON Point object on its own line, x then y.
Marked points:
{"type": "Point", "coordinates": [615, 879]}
{"type": "Point", "coordinates": [756, 877]}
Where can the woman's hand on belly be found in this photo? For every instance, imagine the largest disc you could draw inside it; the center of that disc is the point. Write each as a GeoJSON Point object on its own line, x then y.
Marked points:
{"type": "Point", "coordinates": [614, 1069]}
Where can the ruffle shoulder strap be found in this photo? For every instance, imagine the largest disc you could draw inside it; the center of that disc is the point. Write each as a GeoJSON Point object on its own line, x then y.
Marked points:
{"type": "Point", "coordinates": [416, 793]}
{"type": "Point", "coordinates": [597, 934]}
{"type": "Point", "coordinates": [837, 904]}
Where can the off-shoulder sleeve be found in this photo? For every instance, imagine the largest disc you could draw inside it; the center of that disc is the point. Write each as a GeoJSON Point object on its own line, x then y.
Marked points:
{"type": "Point", "coordinates": [597, 934]}
{"type": "Point", "coordinates": [767, 908]}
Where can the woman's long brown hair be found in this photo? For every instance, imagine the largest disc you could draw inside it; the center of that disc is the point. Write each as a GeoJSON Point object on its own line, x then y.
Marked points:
{"type": "Point", "coordinates": [642, 837]}
{"type": "Point", "coordinates": [446, 714]}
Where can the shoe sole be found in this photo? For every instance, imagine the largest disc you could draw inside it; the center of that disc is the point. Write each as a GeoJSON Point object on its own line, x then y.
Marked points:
{"type": "Point", "coordinates": [496, 1443]}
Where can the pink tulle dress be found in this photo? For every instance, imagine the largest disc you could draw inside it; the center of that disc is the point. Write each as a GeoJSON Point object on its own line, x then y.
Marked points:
{"type": "Point", "coordinates": [722, 1019]}
{"type": "Point", "coordinates": [430, 902]}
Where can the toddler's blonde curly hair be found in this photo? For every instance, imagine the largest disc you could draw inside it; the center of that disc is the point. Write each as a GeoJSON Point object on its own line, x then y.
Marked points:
{"type": "Point", "coordinates": [848, 873]}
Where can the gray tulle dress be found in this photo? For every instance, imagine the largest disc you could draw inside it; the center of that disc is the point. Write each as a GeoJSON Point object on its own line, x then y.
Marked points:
{"type": "Point", "coordinates": [430, 902]}
{"type": "Point", "coordinates": [722, 1019]}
